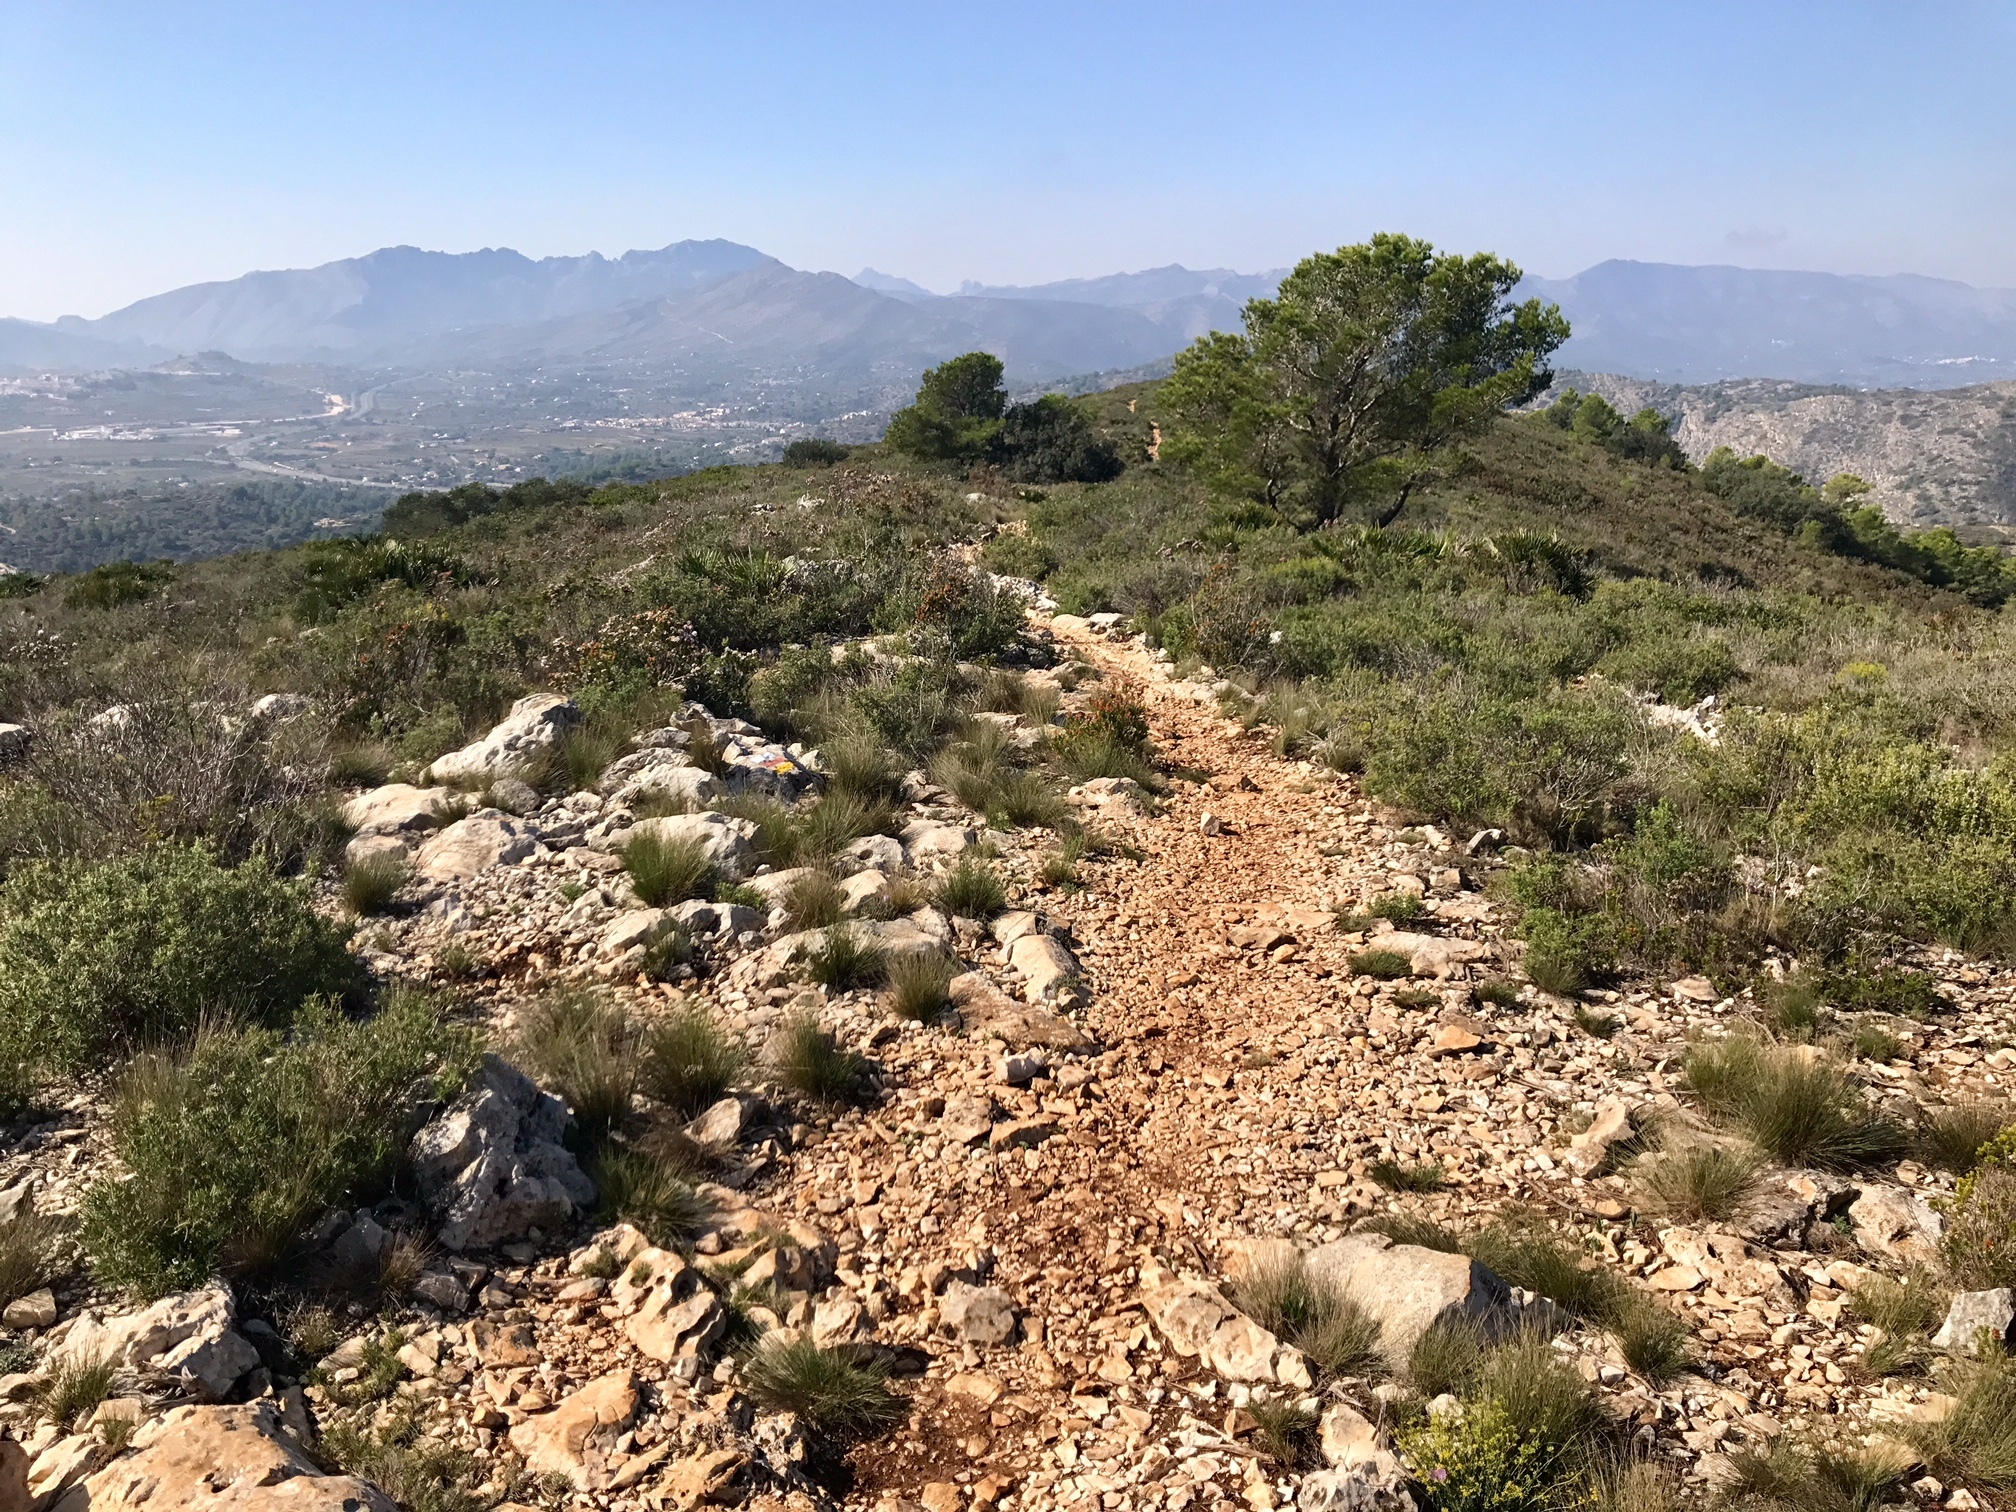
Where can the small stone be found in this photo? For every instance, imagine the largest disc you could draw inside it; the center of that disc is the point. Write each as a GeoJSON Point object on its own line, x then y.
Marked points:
{"type": "Point", "coordinates": [977, 1314]}
{"type": "Point", "coordinates": [36, 1310]}
{"type": "Point", "coordinates": [1210, 824]}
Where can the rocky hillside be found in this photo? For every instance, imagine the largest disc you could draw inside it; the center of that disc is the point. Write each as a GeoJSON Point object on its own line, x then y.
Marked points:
{"type": "Point", "coordinates": [1080, 1207]}
{"type": "Point", "coordinates": [1934, 457]}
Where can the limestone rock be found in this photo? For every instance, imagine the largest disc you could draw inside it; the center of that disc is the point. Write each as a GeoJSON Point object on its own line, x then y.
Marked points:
{"type": "Point", "coordinates": [471, 846]}
{"type": "Point", "coordinates": [967, 1117]}
{"type": "Point", "coordinates": [627, 931]}
{"type": "Point", "coordinates": [1589, 1149]}
{"type": "Point", "coordinates": [492, 1165]}
{"type": "Point", "coordinates": [222, 1459]}
{"type": "Point", "coordinates": [281, 705]}
{"type": "Point", "coordinates": [396, 806]}
{"type": "Point", "coordinates": [659, 772]}
{"type": "Point", "coordinates": [870, 853]}
{"type": "Point", "coordinates": [926, 841]}
{"type": "Point", "coordinates": [1891, 1221]}
{"type": "Point", "coordinates": [1971, 1312]}
{"type": "Point", "coordinates": [977, 1314]}
{"type": "Point", "coordinates": [534, 724]}
{"type": "Point", "coordinates": [864, 889]}
{"type": "Point", "coordinates": [14, 742]}
{"type": "Point", "coordinates": [1409, 1289]}
{"type": "Point", "coordinates": [728, 842]}
{"type": "Point", "coordinates": [1049, 971]}
{"type": "Point", "coordinates": [577, 1438]}
{"type": "Point", "coordinates": [987, 1010]}
{"type": "Point", "coordinates": [666, 1327]}
{"type": "Point", "coordinates": [36, 1310]}
{"type": "Point", "coordinates": [189, 1340]}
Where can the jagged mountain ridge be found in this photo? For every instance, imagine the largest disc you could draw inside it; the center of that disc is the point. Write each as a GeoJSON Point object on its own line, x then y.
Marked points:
{"type": "Point", "coordinates": [1945, 457]}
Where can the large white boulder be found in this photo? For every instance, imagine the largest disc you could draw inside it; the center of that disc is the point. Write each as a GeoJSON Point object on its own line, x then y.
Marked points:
{"type": "Point", "coordinates": [533, 725]}
{"type": "Point", "coordinates": [1410, 1289]}
{"type": "Point", "coordinates": [729, 842]}
{"type": "Point", "coordinates": [471, 846]}
{"type": "Point", "coordinates": [210, 1459]}
{"type": "Point", "coordinates": [396, 806]}
{"type": "Point", "coordinates": [493, 1165]}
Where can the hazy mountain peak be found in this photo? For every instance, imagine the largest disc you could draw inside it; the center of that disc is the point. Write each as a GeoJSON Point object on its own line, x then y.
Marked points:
{"type": "Point", "coordinates": [890, 284]}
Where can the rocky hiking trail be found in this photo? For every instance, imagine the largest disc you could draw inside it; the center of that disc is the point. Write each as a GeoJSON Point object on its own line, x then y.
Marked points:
{"type": "Point", "coordinates": [1152, 1088]}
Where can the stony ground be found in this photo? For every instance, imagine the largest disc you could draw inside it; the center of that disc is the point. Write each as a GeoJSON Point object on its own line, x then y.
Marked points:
{"type": "Point", "coordinates": [1001, 1223]}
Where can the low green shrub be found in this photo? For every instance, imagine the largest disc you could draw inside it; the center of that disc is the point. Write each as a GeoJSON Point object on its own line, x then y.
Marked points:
{"type": "Point", "coordinates": [392, 1451]}
{"type": "Point", "coordinates": [972, 889]}
{"type": "Point", "coordinates": [805, 1059]}
{"type": "Point", "coordinates": [1794, 1104]}
{"type": "Point", "coordinates": [687, 1061]}
{"type": "Point", "coordinates": [1979, 1245]}
{"type": "Point", "coordinates": [233, 1147]}
{"type": "Point", "coordinates": [579, 1043]}
{"type": "Point", "coordinates": [664, 872]}
{"type": "Point", "coordinates": [98, 957]}
{"type": "Point", "coordinates": [826, 1388]}
{"type": "Point", "coordinates": [1385, 965]}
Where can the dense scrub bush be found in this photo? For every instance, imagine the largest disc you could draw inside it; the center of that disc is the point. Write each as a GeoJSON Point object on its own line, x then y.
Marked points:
{"type": "Point", "coordinates": [331, 574]}
{"type": "Point", "coordinates": [234, 1146]}
{"type": "Point", "coordinates": [96, 957]}
{"type": "Point", "coordinates": [116, 583]}
{"type": "Point", "coordinates": [814, 451]}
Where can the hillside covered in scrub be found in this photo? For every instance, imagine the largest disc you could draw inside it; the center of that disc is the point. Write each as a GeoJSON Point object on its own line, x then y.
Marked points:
{"type": "Point", "coordinates": [1162, 947]}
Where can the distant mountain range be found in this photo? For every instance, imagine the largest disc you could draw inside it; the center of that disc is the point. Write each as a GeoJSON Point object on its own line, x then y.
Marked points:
{"type": "Point", "coordinates": [737, 313]}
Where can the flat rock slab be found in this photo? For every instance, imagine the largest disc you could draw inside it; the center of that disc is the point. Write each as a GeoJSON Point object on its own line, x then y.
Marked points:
{"type": "Point", "coordinates": [577, 1438]}
{"type": "Point", "coordinates": [987, 1010]}
{"type": "Point", "coordinates": [241, 1458]}
{"type": "Point", "coordinates": [469, 847]}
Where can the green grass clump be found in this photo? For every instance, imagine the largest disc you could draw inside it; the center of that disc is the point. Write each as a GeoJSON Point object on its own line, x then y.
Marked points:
{"type": "Point", "coordinates": [108, 956]}
{"type": "Point", "coordinates": [1285, 1426]}
{"type": "Point", "coordinates": [34, 1252]}
{"type": "Point", "coordinates": [827, 1388]}
{"type": "Point", "coordinates": [578, 1042]}
{"type": "Point", "coordinates": [393, 1452]}
{"type": "Point", "coordinates": [804, 1058]}
{"type": "Point", "coordinates": [370, 885]}
{"type": "Point", "coordinates": [1976, 1441]}
{"type": "Point", "coordinates": [664, 872]}
{"type": "Point", "coordinates": [1795, 1105]}
{"type": "Point", "coordinates": [74, 1387]}
{"type": "Point", "coordinates": [1445, 1359]}
{"type": "Point", "coordinates": [1871, 1041]}
{"type": "Point", "coordinates": [649, 1187]}
{"type": "Point", "coordinates": [1399, 907]}
{"type": "Point", "coordinates": [234, 1146]}
{"type": "Point", "coordinates": [1498, 994]}
{"type": "Point", "coordinates": [972, 889]}
{"type": "Point", "coordinates": [814, 901]}
{"type": "Point", "coordinates": [1906, 1311]}
{"type": "Point", "coordinates": [917, 986]}
{"type": "Point", "coordinates": [1794, 1477]}
{"type": "Point", "coordinates": [687, 1061]}
{"type": "Point", "coordinates": [1386, 965]}
{"type": "Point", "coordinates": [1059, 868]}
{"type": "Point", "coordinates": [846, 958]}
{"type": "Point", "coordinates": [1951, 1137]}
{"type": "Point", "coordinates": [1695, 1181]}
{"type": "Point", "coordinates": [1397, 1176]}
{"type": "Point", "coordinates": [1331, 1329]}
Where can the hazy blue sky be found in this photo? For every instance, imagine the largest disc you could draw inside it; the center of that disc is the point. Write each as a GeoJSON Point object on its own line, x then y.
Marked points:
{"type": "Point", "coordinates": [148, 145]}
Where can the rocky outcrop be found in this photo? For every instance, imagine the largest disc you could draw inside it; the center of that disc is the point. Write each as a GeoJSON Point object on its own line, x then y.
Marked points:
{"type": "Point", "coordinates": [729, 842]}
{"type": "Point", "coordinates": [188, 1342]}
{"type": "Point", "coordinates": [394, 807]}
{"type": "Point", "coordinates": [578, 1438]}
{"type": "Point", "coordinates": [493, 1166]}
{"type": "Point", "coordinates": [220, 1459]}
